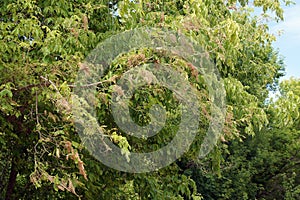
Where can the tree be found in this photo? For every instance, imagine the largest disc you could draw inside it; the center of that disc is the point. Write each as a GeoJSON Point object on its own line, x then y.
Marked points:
{"type": "Point", "coordinates": [44, 44]}
{"type": "Point", "coordinates": [41, 45]}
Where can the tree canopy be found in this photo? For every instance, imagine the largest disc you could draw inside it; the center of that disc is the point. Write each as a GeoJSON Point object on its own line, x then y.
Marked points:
{"type": "Point", "coordinates": [44, 46]}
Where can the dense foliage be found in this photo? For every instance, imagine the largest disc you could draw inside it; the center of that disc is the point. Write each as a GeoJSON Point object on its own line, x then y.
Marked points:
{"type": "Point", "coordinates": [43, 44]}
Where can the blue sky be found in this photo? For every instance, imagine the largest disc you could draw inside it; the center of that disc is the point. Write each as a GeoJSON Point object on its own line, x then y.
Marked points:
{"type": "Point", "coordinates": [289, 42]}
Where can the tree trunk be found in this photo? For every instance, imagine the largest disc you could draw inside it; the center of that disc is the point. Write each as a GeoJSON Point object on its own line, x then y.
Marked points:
{"type": "Point", "coordinates": [11, 181]}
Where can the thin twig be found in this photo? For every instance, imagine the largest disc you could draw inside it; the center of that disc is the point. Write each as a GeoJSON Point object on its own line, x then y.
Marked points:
{"type": "Point", "coordinates": [48, 80]}
{"type": "Point", "coordinates": [112, 79]}
{"type": "Point", "coordinates": [36, 108]}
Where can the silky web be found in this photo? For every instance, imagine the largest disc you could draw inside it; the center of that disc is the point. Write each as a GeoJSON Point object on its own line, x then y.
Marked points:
{"type": "Point", "coordinates": [98, 61]}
